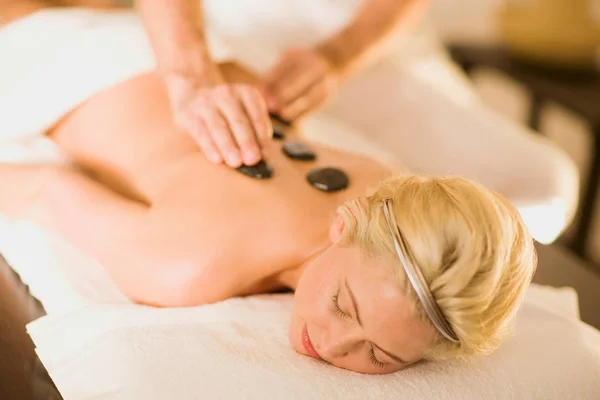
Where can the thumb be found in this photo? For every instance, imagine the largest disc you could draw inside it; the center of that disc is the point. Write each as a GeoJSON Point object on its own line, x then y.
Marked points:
{"type": "Point", "coordinates": [266, 88]}
{"type": "Point", "coordinates": [270, 98]}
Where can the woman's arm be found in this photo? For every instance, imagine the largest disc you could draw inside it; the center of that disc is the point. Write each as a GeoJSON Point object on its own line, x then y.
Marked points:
{"type": "Point", "coordinates": [305, 79]}
{"type": "Point", "coordinates": [85, 213]}
{"type": "Point", "coordinates": [116, 232]}
{"type": "Point", "coordinates": [176, 32]}
{"type": "Point", "coordinates": [364, 39]}
{"type": "Point", "coordinates": [102, 224]}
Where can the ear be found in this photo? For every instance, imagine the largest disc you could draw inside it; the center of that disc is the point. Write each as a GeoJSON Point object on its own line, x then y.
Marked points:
{"type": "Point", "coordinates": [336, 228]}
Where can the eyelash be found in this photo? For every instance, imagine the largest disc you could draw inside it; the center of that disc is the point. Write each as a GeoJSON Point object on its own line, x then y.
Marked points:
{"type": "Point", "coordinates": [374, 360]}
{"type": "Point", "coordinates": [336, 306]}
{"type": "Point", "coordinates": [341, 313]}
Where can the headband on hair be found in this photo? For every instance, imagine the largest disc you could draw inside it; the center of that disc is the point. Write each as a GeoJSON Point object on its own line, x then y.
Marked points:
{"type": "Point", "coordinates": [417, 280]}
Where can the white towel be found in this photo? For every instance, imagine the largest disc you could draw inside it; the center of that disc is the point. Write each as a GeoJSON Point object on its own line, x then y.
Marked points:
{"type": "Point", "coordinates": [53, 60]}
{"type": "Point", "coordinates": [56, 58]}
{"type": "Point", "coordinates": [238, 349]}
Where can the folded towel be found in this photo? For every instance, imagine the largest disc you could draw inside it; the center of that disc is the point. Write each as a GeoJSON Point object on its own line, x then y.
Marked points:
{"type": "Point", "coordinates": [239, 349]}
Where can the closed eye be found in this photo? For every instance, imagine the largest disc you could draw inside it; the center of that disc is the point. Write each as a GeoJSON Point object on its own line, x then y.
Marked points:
{"type": "Point", "coordinates": [337, 309]}
{"type": "Point", "coordinates": [336, 306]}
{"type": "Point", "coordinates": [374, 359]}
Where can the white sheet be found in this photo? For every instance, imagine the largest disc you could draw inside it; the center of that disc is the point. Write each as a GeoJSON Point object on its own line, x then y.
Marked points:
{"type": "Point", "coordinates": [239, 349]}
{"type": "Point", "coordinates": [57, 58]}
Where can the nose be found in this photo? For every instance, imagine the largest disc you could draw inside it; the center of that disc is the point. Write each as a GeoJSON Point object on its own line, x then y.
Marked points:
{"type": "Point", "coordinates": [337, 342]}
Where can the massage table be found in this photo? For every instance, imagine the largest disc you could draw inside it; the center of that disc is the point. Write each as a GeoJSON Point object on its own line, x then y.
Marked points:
{"type": "Point", "coordinates": [95, 344]}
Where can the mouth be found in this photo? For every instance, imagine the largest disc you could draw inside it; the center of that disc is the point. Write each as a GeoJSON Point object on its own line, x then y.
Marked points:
{"type": "Point", "coordinates": [308, 346]}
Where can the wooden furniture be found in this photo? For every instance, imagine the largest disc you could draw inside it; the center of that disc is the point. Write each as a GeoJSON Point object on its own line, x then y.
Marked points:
{"type": "Point", "coordinates": [22, 375]}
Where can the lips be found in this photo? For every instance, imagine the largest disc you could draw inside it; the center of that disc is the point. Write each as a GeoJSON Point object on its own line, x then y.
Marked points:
{"type": "Point", "coordinates": [308, 346]}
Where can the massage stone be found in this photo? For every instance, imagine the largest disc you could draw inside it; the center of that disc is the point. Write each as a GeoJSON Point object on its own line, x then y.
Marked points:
{"type": "Point", "coordinates": [278, 133]}
{"type": "Point", "coordinates": [279, 119]}
{"type": "Point", "coordinates": [298, 151]}
{"type": "Point", "coordinates": [328, 179]}
{"type": "Point", "coordinates": [262, 170]}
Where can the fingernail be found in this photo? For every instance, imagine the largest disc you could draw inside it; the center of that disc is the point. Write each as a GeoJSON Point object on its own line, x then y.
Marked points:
{"type": "Point", "coordinates": [251, 156]}
{"type": "Point", "coordinates": [233, 159]}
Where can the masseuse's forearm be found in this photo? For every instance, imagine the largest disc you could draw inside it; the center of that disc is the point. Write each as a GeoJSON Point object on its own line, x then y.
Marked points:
{"type": "Point", "coordinates": [176, 32]}
{"type": "Point", "coordinates": [365, 38]}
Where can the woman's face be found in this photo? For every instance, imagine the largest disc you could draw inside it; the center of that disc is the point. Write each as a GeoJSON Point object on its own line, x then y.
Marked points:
{"type": "Point", "coordinates": [352, 313]}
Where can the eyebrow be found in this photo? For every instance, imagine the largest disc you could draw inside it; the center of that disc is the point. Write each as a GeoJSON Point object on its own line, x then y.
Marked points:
{"type": "Point", "coordinates": [354, 305]}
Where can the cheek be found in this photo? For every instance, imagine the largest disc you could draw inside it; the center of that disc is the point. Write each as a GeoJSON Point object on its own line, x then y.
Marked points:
{"type": "Point", "coordinates": [314, 289]}
{"type": "Point", "coordinates": [304, 299]}
{"type": "Point", "coordinates": [307, 295]}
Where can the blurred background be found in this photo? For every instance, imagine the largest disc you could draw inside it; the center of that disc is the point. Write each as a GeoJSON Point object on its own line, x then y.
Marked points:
{"type": "Point", "coordinates": [537, 62]}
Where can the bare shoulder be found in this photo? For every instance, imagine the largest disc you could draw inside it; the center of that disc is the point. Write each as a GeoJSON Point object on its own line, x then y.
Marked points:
{"type": "Point", "coordinates": [186, 261]}
{"type": "Point", "coordinates": [180, 277]}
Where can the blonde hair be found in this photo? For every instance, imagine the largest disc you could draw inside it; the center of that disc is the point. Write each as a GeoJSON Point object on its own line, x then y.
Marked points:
{"type": "Point", "coordinates": [470, 244]}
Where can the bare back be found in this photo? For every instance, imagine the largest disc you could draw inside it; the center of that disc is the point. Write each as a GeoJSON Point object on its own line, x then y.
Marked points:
{"type": "Point", "coordinates": [199, 212]}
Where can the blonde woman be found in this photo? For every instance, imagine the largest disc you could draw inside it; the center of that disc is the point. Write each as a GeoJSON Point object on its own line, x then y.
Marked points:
{"type": "Point", "coordinates": [391, 270]}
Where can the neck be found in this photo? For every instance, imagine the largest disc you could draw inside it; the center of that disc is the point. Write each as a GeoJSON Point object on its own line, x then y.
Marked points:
{"type": "Point", "coordinates": [289, 278]}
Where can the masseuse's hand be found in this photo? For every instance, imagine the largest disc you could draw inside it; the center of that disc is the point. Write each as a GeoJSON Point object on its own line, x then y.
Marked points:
{"type": "Point", "coordinates": [229, 122]}
{"type": "Point", "coordinates": [302, 81]}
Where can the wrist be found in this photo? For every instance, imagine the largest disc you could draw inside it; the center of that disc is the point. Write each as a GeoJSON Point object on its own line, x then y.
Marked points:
{"type": "Point", "coordinates": [194, 64]}
{"type": "Point", "coordinates": [339, 53]}
{"type": "Point", "coordinates": [335, 56]}
{"type": "Point", "coordinates": [198, 75]}
{"type": "Point", "coordinates": [181, 84]}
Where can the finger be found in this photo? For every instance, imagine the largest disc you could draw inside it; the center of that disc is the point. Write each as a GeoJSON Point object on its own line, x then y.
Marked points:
{"type": "Point", "coordinates": [275, 82]}
{"type": "Point", "coordinates": [285, 66]}
{"type": "Point", "coordinates": [240, 125]}
{"type": "Point", "coordinates": [220, 133]}
{"type": "Point", "coordinates": [256, 109]}
{"type": "Point", "coordinates": [200, 134]}
{"type": "Point", "coordinates": [292, 87]}
{"type": "Point", "coordinates": [274, 91]}
{"type": "Point", "coordinates": [310, 100]}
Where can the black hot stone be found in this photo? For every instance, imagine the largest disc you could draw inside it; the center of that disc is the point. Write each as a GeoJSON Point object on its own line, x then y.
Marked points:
{"type": "Point", "coordinates": [328, 179]}
{"type": "Point", "coordinates": [262, 170]}
{"type": "Point", "coordinates": [279, 119]}
{"type": "Point", "coordinates": [278, 133]}
{"type": "Point", "coordinates": [298, 151]}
